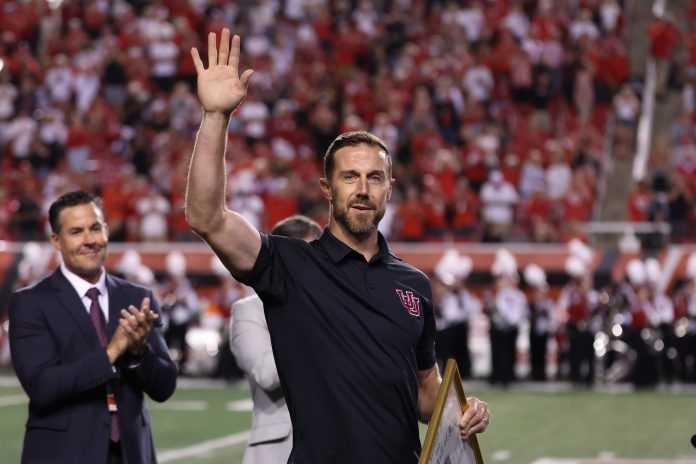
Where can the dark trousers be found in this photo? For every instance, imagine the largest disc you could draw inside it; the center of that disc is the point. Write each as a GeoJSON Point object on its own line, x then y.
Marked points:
{"type": "Point", "coordinates": [668, 357]}
{"type": "Point", "coordinates": [503, 354]}
{"type": "Point", "coordinates": [580, 340]}
{"type": "Point", "coordinates": [453, 342]}
{"type": "Point", "coordinates": [644, 373]}
{"type": "Point", "coordinates": [537, 348]}
{"type": "Point", "coordinates": [686, 357]}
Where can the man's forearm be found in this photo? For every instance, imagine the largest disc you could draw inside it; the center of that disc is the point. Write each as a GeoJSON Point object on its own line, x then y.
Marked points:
{"type": "Point", "coordinates": [205, 192]}
{"type": "Point", "coordinates": [428, 387]}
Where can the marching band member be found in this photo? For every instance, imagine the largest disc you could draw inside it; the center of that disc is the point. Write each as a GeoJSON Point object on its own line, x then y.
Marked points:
{"type": "Point", "coordinates": [507, 310]}
{"type": "Point", "coordinates": [540, 319]}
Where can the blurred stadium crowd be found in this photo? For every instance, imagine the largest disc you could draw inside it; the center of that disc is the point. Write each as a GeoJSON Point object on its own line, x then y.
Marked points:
{"type": "Point", "coordinates": [502, 118]}
{"type": "Point", "coordinates": [495, 111]}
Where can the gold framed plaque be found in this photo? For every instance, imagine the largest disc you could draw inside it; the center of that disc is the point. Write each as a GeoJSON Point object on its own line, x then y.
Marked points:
{"type": "Point", "coordinates": [443, 443]}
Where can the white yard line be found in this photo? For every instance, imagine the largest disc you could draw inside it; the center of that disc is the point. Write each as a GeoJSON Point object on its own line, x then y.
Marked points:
{"type": "Point", "coordinates": [176, 405]}
{"type": "Point", "coordinates": [240, 405]}
{"type": "Point", "coordinates": [203, 447]}
{"type": "Point", "coordinates": [13, 400]}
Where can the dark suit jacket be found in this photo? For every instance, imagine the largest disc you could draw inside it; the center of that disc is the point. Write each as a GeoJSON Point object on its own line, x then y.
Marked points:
{"type": "Point", "coordinates": [58, 360]}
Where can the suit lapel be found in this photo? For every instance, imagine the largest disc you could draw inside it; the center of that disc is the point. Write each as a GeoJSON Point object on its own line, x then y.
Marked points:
{"type": "Point", "coordinates": [68, 297]}
{"type": "Point", "coordinates": [118, 300]}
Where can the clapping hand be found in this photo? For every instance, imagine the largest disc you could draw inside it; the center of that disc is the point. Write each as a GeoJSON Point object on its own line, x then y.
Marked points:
{"type": "Point", "coordinates": [137, 323]}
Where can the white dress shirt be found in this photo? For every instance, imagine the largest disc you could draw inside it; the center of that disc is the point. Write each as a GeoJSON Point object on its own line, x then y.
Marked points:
{"type": "Point", "coordinates": [81, 286]}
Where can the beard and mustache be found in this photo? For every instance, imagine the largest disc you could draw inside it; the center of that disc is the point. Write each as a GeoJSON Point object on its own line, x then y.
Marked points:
{"type": "Point", "coordinates": [359, 225]}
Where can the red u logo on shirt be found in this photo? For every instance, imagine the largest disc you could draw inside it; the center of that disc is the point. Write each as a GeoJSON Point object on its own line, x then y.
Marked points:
{"type": "Point", "coordinates": [410, 302]}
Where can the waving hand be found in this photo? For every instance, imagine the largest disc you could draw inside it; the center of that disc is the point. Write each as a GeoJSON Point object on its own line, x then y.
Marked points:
{"type": "Point", "coordinates": [220, 88]}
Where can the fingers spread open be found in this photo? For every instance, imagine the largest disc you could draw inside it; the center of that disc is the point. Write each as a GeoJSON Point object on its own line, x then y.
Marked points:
{"type": "Point", "coordinates": [244, 80]}
{"type": "Point", "coordinates": [234, 53]}
{"type": "Point", "coordinates": [212, 50]}
{"type": "Point", "coordinates": [197, 62]}
{"type": "Point", "coordinates": [224, 47]}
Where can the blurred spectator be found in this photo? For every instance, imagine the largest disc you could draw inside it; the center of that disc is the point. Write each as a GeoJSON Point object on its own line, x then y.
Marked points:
{"type": "Point", "coordinates": [639, 201]}
{"type": "Point", "coordinates": [533, 175]}
{"type": "Point", "coordinates": [8, 96]}
{"type": "Point", "coordinates": [59, 81]}
{"type": "Point", "coordinates": [583, 26]}
{"type": "Point", "coordinates": [478, 82]}
{"type": "Point", "coordinates": [610, 15]}
{"type": "Point", "coordinates": [465, 211]}
{"type": "Point", "coordinates": [516, 21]}
{"type": "Point", "coordinates": [584, 96]}
{"type": "Point", "coordinates": [498, 198]}
{"type": "Point", "coordinates": [87, 83]}
{"type": "Point", "coordinates": [152, 208]}
{"type": "Point", "coordinates": [26, 219]}
{"type": "Point", "coordinates": [255, 116]}
{"type": "Point", "coordinates": [626, 110]}
{"type": "Point", "coordinates": [537, 216]}
{"type": "Point", "coordinates": [19, 133]}
{"type": "Point", "coordinates": [410, 220]}
{"type": "Point", "coordinates": [541, 101]}
{"type": "Point", "coordinates": [436, 224]}
{"type": "Point", "coordinates": [78, 150]}
{"type": "Point", "coordinates": [664, 37]}
{"type": "Point", "coordinates": [164, 55]}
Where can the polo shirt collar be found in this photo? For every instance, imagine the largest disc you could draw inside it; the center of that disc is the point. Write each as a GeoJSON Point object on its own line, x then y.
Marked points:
{"type": "Point", "coordinates": [337, 250]}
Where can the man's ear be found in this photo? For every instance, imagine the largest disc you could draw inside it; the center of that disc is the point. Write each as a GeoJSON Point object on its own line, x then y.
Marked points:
{"type": "Point", "coordinates": [55, 241]}
{"type": "Point", "coordinates": [325, 187]}
{"type": "Point", "coordinates": [391, 185]}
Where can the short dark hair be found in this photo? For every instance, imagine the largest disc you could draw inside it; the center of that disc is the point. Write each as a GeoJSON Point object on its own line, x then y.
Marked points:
{"type": "Point", "coordinates": [297, 226]}
{"type": "Point", "coordinates": [67, 200]}
{"type": "Point", "coordinates": [352, 139]}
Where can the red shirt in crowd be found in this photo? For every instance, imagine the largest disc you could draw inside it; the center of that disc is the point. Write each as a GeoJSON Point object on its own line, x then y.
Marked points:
{"type": "Point", "coordinates": [663, 37]}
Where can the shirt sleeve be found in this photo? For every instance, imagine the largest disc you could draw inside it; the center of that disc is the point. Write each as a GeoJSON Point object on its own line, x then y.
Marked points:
{"type": "Point", "coordinates": [269, 276]}
{"type": "Point", "coordinates": [425, 351]}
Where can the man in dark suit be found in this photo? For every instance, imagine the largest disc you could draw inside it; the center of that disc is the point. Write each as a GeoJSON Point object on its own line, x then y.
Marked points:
{"type": "Point", "coordinates": [85, 360]}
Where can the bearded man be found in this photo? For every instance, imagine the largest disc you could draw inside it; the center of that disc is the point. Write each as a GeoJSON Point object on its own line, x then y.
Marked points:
{"type": "Point", "coordinates": [351, 324]}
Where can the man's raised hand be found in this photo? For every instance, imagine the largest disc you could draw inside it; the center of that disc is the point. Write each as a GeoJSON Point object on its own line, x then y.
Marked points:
{"type": "Point", "coordinates": [220, 88]}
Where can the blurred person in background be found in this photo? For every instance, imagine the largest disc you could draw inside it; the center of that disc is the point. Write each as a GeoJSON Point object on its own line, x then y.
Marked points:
{"type": "Point", "coordinates": [455, 307]}
{"type": "Point", "coordinates": [662, 321]}
{"type": "Point", "coordinates": [506, 307]}
{"type": "Point", "coordinates": [345, 290]}
{"type": "Point", "coordinates": [83, 359]}
{"type": "Point", "coordinates": [639, 332]}
{"type": "Point", "coordinates": [685, 323]}
{"type": "Point", "coordinates": [575, 307]}
{"type": "Point", "coordinates": [250, 342]}
{"type": "Point", "coordinates": [540, 319]}
{"type": "Point", "coordinates": [181, 306]}
{"type": "Point", "coordinates": [498, 200]}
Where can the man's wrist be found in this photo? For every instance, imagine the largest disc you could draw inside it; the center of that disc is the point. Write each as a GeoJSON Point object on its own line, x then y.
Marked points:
{"type": "Point", "coordinates": [217, 116]}
{"type": "Point", "coordinates": [111, 354]}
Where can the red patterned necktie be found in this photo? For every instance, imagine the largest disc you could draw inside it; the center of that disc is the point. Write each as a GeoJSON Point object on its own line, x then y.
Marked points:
{"type": "Point", "coordinates": [97, 316]}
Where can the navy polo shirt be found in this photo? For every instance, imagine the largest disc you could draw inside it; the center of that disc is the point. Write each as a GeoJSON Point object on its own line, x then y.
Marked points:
{"type": "Point", "coordinates": [348, 338]}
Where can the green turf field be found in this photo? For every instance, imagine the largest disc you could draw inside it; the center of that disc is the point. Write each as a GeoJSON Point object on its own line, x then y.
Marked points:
{"type": "Point", "coordinates": [525, 426]}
